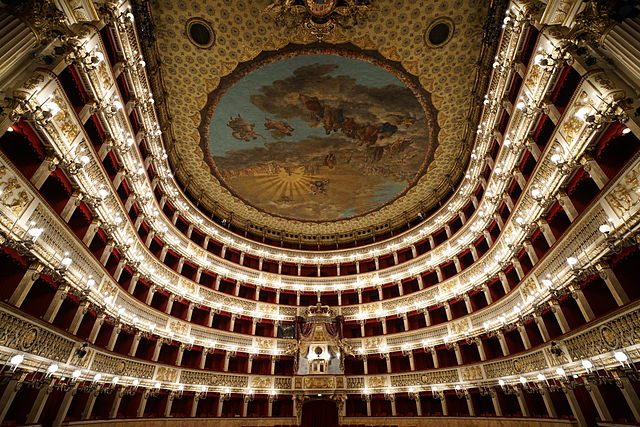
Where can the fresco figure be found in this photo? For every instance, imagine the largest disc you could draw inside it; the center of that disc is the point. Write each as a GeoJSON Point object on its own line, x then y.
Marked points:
{"type": "Point", "coordinates": [242, 129]}
{"type": "Point", "coordinates": [278, 129]}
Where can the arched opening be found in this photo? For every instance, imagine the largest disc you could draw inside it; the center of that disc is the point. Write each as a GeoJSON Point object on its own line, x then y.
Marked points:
{"type": "Point", "coordinates": [320, 413]}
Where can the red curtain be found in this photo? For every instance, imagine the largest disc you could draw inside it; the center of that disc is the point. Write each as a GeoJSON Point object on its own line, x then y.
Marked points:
{"type": "Point", "coordinates": [320, 413]}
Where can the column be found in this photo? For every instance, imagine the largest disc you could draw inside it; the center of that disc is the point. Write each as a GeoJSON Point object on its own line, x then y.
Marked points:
{"type": "Point", "coordinates": [472, 411]}
{"type": "Point", "coordinates": [190, 311]}
{"type": "Point", "coordinates": [113, 338]}
{"type": "Point", "coordinates": [542, 328]}
{"type": "Point", "coordinates": [7, 397]}
{"type": "Point", "coordinates": [528, 247]}
{"type": "Point", "coordinates": [194, 405]}
{"type": "Point", "coordinates": [504, 281]}
{"type": "Point", "coordinates": [227, 357]}
{"type": "Point", "coordinates": [221, 403]}
{"type": "Point", "coordinates": [545, 228]}
{"type": "Point", "coordinates": [106, 253]}
{"type": "Point", "coordinates": [88, 407]}
{"type": "Point", "coordinates": [412, 362]}
{"type": "Point", "coordinates": [456, 350]}
{"type": "Point", "coordinates": [496, 404]}
{"type": "Point", "coordinates": [487, 294]}
{"type": "Point", "coordinates": [474, 252]}
{"type": "Point", "coordinates": [567, 206]}
{"type": "Point", "coordinates": [23, 288]}
{"type": "Point", "coordinates": [562, 321]}
{"type": "Point", "coordinates": [447, 310]}
{"type": "Point", "coordinates": [487, 237]}
{"type": "Point", "coordinates": [594, 170]}
{"type": "Point", "coordinates": [245, 406]}
{"type": "Point", "coordinates": [135, 343]}
{"type": "Point", "coordinates": [575, 408]}
{"type": "Point", "coordinates": [434, 356]}
{"type": "Point", "coordinates": [41, 174]}
{"type": "Point", "coordinates": [133, 283]}
{"type": "Point", "coordinates": [525, 338]}
{"type": "Point", "coordinates": [169, 306]}
{"type": "Point", "coordinates": [503, 343]}
{"type": "Point", "coordinates": [96, 328]}
{"type": "Point", "coordinates": [467, 303]}
{"type": "Point", "coordinates": [143, 404]}
{"type": "Point", "coordinates": [167, 408]}
{"type": "Point", "coordinates": [64, 406]}
{"type": "Point", "coordinates": [518, 267]}
{"type": "Point", "coordinates": [38, 405]}
{"type": "Point", "coordinates": [523, 404]}
{"type": "Point", "coordinates": [70, 207]}
{"type": "Point", "coordinates": [583, 304]}
{"type": "Point", "coordinates": [613, 284]}
{"type": "Point", "coordinates": [203, 358]}
{"type": "Point", "coordinates": [445, 409]}
{"type": "Point", "coordinates": [548, 403]}
{"type": "Point", "coordinates": [394, 411]}
{"type": "Point", "coordinates": [631, 397]}
{"type": "Point", "coordinates": [599, 403]}
{"type": "Point", "coordinates": [621, 45]}
{"type": "Point", "coordinates": [91, 232]}
{"type": "Point", "coordinates": [149, 298]}
{"type": "Point", "coordinates": [180, 354]}
{"type": "Point", "coordinates": [156, 350]}
{"type": "Point", "coordinates": [113, 412]}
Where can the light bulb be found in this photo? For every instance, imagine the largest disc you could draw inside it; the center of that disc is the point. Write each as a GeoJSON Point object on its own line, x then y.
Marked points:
{"type": "Point", "coordinates": [586, 364]}
{"type": "Point", "coordinates": [620, 356]}
{"type": "Point", "coordinates": [52, 369]}
{"type": "Point", "coordinates": [541, 377]}
{"type": "Point", "coordinates": [523, 380]}
{"type": "Point", "coordinates": [76, 374]}
{"type": "Point", "coordinates": [17, 359]}
{"type": "Point", "coordinates": [97, 377]}
{"type": "Point", "coordinates": [582, 112]}
{"type": "Point", "coordinates": [560, 372]}
{"type": "Point", "coordinates": [605, 228]}
{"type": "Point", "coordinates": [572, 261]}
{"type": "Point", "coordinates": [53, 108]}
{"type": "Point", "coordinates": [501, 383]}
{"type": "Point", "coordinates": [135, 382]}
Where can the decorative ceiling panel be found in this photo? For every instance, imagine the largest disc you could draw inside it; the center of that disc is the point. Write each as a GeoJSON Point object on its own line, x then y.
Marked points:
{"type": "Point", "coordinates": [395, 41]}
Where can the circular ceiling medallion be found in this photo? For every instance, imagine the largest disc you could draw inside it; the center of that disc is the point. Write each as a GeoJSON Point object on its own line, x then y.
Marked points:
{"type": "Point", "coordinates": [200, 33]}
{"type": "Point", "coordinates": [439, 32]}
{"type": "Point", "coordinates": [318, 135]}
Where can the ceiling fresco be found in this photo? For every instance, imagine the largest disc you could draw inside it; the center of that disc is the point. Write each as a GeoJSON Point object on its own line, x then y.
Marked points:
{"type": "Point", "coordinates": [185, 75]}
{"type": "Point", "coordinates": [318, 134]}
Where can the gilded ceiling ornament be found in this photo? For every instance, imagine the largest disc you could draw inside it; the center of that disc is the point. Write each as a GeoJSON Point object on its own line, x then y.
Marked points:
{"type": "Point", "coordinates": [318, 17]}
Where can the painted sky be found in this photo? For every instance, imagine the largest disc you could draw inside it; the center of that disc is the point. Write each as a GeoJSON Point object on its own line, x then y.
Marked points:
{"type": "Point", "coordinates": [359, 137]}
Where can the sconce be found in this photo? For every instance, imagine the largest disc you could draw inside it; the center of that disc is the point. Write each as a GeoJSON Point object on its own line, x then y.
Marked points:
{"type": "Point", "coordinates": [461, 392]}
{"type": "Point", "coordinates": [201, 393]}
{"type": "Point", "coordinates": [154, 391]}
{"type": "Point", "coordinates": [437, 394]}
{"type": "Point", "coordinates": [414, 394]}
{"type": "Point", "coordinates": [225, 394]}
{"type": "Point", "coordinates": [507, 388]}
{"type": "Point", "coordinates": [23, 245]}
{"type": "Point", "coordinates": [486, 391]}
{"type": "Point", "coordinates": [612, 112]}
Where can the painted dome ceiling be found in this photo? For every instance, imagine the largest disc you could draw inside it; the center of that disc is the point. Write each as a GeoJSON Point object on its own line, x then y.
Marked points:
{"type": "Point", "coordinates": [274, 129]}
{"type": "Point", "coordinates": [318, 134]}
